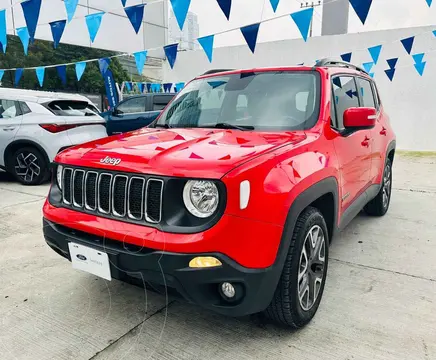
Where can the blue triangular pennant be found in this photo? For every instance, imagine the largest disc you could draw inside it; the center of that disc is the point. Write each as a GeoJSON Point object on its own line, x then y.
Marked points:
{"type": "Point", "coordinates": [148, 87]}
{"type": "Point", "coordinates": [167, 87]}
{"type": "Point", "coordinates": [372, 75]}
{"type": "Point", "coordinates": [206, 43]}
{"type": "Point", "coordinates": [418, 58]}
{"type": "Point", "coordinates": [302, 19]}
{"type": "Point", "coordinates": [23, 34]}
{"type": "Point", "coordinates": [123, 2]}
{"type": "Point", "coordinates": [420, 67]}
{"type": "Point", "coordinates": [62, 72]}
{"type": "Point", "coordinates": [93, 22]}
{"type": "Point", "coordinates": [155, 87]}
{"type": "Point", "coordinates": [250, 35]}
{"type": "Point", "coordinates": [40, 72]}
{"type": "Point", "coordinates": [429, 2]}
{"type": "Point", "coordinates": [392, 62]}
{"type": "Point", "coordinates": [346, 57]}
{"type": "Point", "coordinates": [390, 73]}
{"type": "Point", "coordinates": [368, 66]}
{"type": "Point", "coordinates": [434, 32]}
{"type": "Point", "coordinates": [103, 64]}
{"type": "Point", "coordinates": [18, 74]}
{"type": "Point", "coordinates": [80, 69]}
{"type": "Point", "coordinates": [31, 10]}
{"type": "Point", "coordinates": [179, 86]}
{"type": "Point", "coordinates": [135, 14]}
{"type": "Point", "coordinates": [140, 86]}
{"type": "Point", "coordinates": [375, 52]}
{"type": "Point", "coordinates": [408, 43]}
{"type": "Point", "coordinates": [140, 58]}
{"type": "Point", "coordinates": [226, 6]}
{"type": "Point", "coordinates": [180, 9]}
{"type": "Point", "coordinates": [128, 86]}
{"type": "Point", "coordinates": [57, 29]}
{"type": "Point", "coordinates": [3, 30]}
{"type": "Point", "coordinates": [2, 72]}
{"type": "Point", "coordinates": [274, 4]}
{"type": "Point", "coordinates": [171, 53]}
{"type": "Point", "coordinates": [70, 7]}
{"type": "Point", "coordinates": [337, 82]}
{"type": "Point", "coordinates": [361, 7]}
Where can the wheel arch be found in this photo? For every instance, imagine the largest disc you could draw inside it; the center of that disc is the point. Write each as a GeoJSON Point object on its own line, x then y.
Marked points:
{"type": "Point", "coordinates": [15, 145]}
{"type": "Point", "coordinates": [390, 152]}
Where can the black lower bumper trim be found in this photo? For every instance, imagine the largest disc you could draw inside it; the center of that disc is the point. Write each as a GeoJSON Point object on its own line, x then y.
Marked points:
{"type": "Point", "coordinates": [171, 272]}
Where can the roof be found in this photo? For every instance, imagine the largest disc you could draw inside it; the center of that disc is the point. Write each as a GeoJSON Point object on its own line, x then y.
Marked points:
{"type": "Point", "coordinates": [38, 96]}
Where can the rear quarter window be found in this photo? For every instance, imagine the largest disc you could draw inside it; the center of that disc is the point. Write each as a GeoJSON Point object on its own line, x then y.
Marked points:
{"type": "Point", "coordinates": [72, 108]}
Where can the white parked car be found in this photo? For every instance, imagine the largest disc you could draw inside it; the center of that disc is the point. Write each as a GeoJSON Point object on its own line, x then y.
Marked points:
{"type": "Point", "coordinates": [36, 125]}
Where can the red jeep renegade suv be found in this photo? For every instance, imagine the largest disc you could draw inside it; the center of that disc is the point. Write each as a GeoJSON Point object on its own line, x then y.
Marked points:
{"type": "Point", "coordinates": [232, 196]}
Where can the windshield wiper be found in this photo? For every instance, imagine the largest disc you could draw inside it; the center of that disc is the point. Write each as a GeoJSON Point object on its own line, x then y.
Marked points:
{"type": "Point", "coordinates": [231, 126]}
{"type": "Point", "coordinates": [165, 126]}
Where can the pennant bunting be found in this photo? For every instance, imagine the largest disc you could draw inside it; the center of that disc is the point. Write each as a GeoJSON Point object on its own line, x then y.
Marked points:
{"type": "Point", "coordinates": [434, 32]}
{"type": "Point", "coordinates": [417, 58]}
{"type": "Point", "coordinates": [429, 2]}
{"type": "Point", "coordinates": [140, 59]}
{"type": "Point", "coordinates": [148, 87]}
{"type": "Point", "coordinates": [57, 29]}
{"type": "Point", "coordinates": [171, 54]}
{"type": "Point", "coordinates": [18, 74]}
{"type": "Point", "coordinates": [167, 87]}
{"type": "Point", "coordinates": [368, 66]}
{"type": "Point", "coordinates": [179, 86]}
{"type": "Point", "coordinates": [128, 86]}
{"type": "Point", "coordinates": [155, 87]}
{"type": "Point", "coordinates": [62, 72]}
{"type": "Point", "coordinates": [2, 72]}
{"type": "Point", "coordinates": [103, 65]}
{"type": "Point", "coordinates": [372, 75]}
{"type": "Point", "coordinates": [392, 62]}
{"type": "Point", "coordinates": [408, 44]}
{"type": "Point", "coordinates": [3, 31]}
{"type": "Point", "coordinates": [250, 35]}
{"type": "Point", "coordinates": [23, 34]}
{"type": "Point", "coordinates": [123, 2]}
{"type": "Point", "coordinates": [361, 7]}
{"type": "Point", "coordinates": [206, 43]}
{"type": "Point", "coordinates": [31, 10]}
{"type": "Point", "coordinates": [80, 69]}
{"type": "Point", "coordinates": [274, 4]}
{"type": "Point", "coordinates": [135, 14]}
{"type": "Point", "coordinates": [226, 6]}
{"type": "Point", "coordinates": [140, 86]}
{"type": "Point", "coordinates": [303, 19]}
{"type": "Point", "coordinates": [93, 23]}
{"type": "Point", "coordinates": [40, 72]}
{"type": "Point", "coordinates": [180, 9]}
{"type": "Point", "coordinates": [337, 82]}
{"type": "Point", "coordinates": [346, 57]}
{"type": "Point", "coordinates": [70, 7]}
{"type": "Point", "coordinates": [375, 52]}
{"type": "Point", "coordinates": [420, 67]}
{"type": "Point", "coordinates": [390, 73]}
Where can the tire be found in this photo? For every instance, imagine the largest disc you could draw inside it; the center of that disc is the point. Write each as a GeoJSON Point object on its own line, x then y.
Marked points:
{"type": "Point", "coordinates": [286, 307]}
{"type": "Point", "coordinates": [29, 166]}
{"type": "Point", "coordinates": [380, 204]}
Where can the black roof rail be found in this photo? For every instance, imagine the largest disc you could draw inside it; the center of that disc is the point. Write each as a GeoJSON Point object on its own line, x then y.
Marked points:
{"type": "Point", "coordinates": [338, 63]}
{"type": "Point", "coordinates": [214, 71]}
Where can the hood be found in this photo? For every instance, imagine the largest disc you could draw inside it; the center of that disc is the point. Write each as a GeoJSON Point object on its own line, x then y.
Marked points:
{"type": "Point", "coordinates": [201, 153]}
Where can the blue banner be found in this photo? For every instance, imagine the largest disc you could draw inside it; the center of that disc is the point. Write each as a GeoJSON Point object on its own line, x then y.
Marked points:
{"type": "Point", "coordinates": [40, 72]}
{"type": "Point", "coordinates": [23, 34]}
{"type": "Point", "coordinates": [70, 7]}
{"type": "Point", "coordinates": [103, 65]}
{"type": "Point", "coordinates": [135, 14]}
{"type": "Point", "coordinates": [57, 29]}
{"type": "Point", "coordinates": [111, 90]}
{"type": "Point", "coordinates": [31, 10]}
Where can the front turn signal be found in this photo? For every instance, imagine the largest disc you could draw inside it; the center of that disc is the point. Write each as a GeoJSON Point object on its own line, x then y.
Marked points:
{"type": "Point", "coordinates": [204, 262]}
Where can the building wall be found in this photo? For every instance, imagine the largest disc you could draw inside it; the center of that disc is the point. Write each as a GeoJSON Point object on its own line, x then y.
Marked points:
{"type": "Point", "coordinates": [186, 38]}
{"type": "Point", "coordinates": [409, 99]}
{"type": "Point", "coordinates": [335, 17]}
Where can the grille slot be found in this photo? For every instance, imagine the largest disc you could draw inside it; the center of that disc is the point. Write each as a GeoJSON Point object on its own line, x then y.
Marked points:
{"type": "Point", "coordinates": [136, 198]}
{"type": "Point", "coordinates": [104, 193]}
{"type": "Point", "coordinates": [91, 190]}
{"type": "Point", "coordinates": [78, 188]}
{"type": "Point", "coordinates": [153, 200]}
{"type": "Point", "coordinates": [66, 192]}
{"type": "Point", "coordinates": [119, 195]}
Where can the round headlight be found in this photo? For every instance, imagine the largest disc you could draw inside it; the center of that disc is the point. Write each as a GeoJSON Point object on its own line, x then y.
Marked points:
{"type": "Point", "coordinates": [59, 176]}
{"type": "Point", "coordinates": [201, 197]}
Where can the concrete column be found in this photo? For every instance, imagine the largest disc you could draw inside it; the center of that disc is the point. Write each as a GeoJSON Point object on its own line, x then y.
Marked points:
{"type": "Point", "coordinates": [335, 17]}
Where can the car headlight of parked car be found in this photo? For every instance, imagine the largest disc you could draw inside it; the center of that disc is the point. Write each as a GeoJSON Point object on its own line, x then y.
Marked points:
{"type": "Point", "coordinates": [201, 198]}
{"type": "Point", "coordinates": [59, 175]}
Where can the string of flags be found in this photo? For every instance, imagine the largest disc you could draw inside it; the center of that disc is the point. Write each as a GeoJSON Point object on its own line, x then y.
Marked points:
{"type": "Point", "coordinates": [153, 87]}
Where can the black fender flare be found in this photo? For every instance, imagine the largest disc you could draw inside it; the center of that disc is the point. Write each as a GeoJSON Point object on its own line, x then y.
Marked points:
{"type": "Point", "coordinates": [23, 143]}
{"type": "Point", "coordinates": [392, 146]}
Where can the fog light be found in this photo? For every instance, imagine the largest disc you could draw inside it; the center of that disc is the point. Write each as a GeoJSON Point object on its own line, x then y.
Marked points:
{"type": "Point", "coordinates": [228, 290]}
{"type": "Point", "coordinates": [204, 262]}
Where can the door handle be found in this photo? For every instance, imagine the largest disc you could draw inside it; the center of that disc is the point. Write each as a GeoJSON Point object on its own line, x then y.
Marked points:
{"type": "Point", "coordinates": [383, 132]}
{"type": "Point", "coordinates": [9, 128]}
{"type": "Point", "coordinates": [366, 141]}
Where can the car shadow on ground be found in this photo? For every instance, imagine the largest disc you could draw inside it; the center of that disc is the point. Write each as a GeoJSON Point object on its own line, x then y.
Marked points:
{"type": "Point", "coordinates": [6, 177]}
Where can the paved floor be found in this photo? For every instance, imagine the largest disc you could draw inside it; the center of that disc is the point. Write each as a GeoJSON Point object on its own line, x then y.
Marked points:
{"type": "Point", "coordinates": [379, 301]}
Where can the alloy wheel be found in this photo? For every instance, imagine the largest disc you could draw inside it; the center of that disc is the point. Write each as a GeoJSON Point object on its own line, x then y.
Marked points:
{"type": "Point", "coordinates": [311, 268]}
{"type": "Point", "coordinates": [27, 166]}
{"type": "Point", "coordinates": [387, 185]}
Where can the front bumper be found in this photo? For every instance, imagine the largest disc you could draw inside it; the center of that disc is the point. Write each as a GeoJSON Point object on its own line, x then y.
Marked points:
{"type": "Point", "coordinates": [170, 271]}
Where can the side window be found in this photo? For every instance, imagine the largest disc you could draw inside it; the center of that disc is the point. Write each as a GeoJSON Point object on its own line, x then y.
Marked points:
{"type": "Point", "coordinates": [9, 109]}
{"type": "Point", "coordinates": [135, 105]}
{"type": "Point", "coordinates": [376, 96]}
{"type": "Point", "coordinates": [366, 93]}
{"type": "Point", "coordinates": [160, 101]}
{"type": "Point", "coordinates": [24, 108]}
{"type": "Point", "coordinates": [345, 96]}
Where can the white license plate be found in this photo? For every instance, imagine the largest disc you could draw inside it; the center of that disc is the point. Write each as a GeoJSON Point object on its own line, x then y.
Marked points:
{"type": "Point", "coordinates": [90, 260]}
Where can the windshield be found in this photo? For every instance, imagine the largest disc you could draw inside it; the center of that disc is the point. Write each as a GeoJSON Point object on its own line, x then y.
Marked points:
{"type": "Point", "coordinates": [247, 101]}
{"type": "Point", "coordinates": [72, 108]}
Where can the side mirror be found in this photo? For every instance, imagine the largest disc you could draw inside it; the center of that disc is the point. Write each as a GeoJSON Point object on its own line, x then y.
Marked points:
{"type": "Point", "coordinates": [360, 118]}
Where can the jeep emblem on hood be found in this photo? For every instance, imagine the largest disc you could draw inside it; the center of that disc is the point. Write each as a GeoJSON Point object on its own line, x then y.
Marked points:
{"type": "Point", "coordinates": [110, 161]}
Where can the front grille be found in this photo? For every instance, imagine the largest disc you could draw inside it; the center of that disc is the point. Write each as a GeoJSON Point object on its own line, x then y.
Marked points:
{"type": "Point", "coordinates": [131, 197]}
